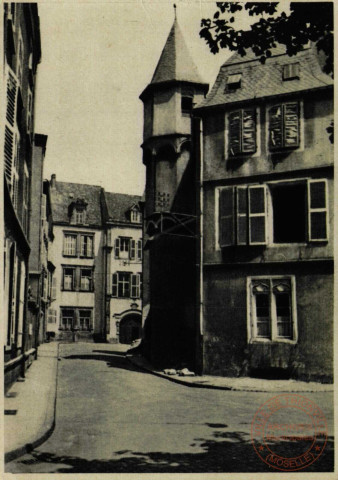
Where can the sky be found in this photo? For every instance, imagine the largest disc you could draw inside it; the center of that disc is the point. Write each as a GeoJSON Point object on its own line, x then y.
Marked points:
{"type": "Point", "coordinates": [97, 58]}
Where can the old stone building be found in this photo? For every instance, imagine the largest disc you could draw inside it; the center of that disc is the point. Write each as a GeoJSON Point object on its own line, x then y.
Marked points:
{"type": "Point", "coordinates": [251, 291]}
{"type": "Point", "coordinates": [97, 256]}
{"type": "Point", "coordinates": [41, 269]}
{"type": "Point", "coordinates": [268, 218]}
{"type": "Point", "coordinates": [123, 263]}
{"type": "Point", "coordinates": [22, 53]}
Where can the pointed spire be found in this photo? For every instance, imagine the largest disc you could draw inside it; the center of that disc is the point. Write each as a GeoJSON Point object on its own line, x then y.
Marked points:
{"type": "Point", "coordinates": [175, 62]}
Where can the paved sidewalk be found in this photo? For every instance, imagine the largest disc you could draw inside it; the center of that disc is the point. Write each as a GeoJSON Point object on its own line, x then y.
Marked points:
{"type": "Point", "coordinates": [246, 384]}
{"type": "Point", "coordinates": [30, 405]}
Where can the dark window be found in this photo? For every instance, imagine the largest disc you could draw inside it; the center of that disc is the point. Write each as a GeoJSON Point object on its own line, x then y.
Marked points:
{"type": "Point", "coordinates": [263, 315]}
{"type": "Point", "coordinates": [186, 104]}
{"type": "Point", "coordinates": [233, 82]}
{"type": "Point", "coordinates": [289, 213]}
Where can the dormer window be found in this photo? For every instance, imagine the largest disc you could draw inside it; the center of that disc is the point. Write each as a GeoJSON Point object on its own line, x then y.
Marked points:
{"type": "Point", "coordinates": [291, 71]}
{"type": "Point", "coordinates": [234, 81]}
{"type": "Point", "coordinates": [77, 212]}
{"type": "Point", "coordinates": [79, 216]}
{"type": "Point", "coordinates": [135, 215]}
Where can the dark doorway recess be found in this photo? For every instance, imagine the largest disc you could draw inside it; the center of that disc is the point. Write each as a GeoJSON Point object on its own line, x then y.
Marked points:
{"type": "Point", "coordinates": [130, 328]}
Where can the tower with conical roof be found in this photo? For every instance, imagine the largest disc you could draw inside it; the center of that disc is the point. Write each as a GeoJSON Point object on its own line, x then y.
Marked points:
{"type": "Point", "coordinates": [169, 260]}
{"type": "Point", "coordinates": [175, 88]}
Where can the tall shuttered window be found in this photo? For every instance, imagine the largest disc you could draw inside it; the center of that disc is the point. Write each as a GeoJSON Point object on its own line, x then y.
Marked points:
{"type": "Point", "coordinates": [284, 131]}
{"type": "Point", "coordinates": [242, 215]}
{"type": "Point", "coordinates": [298, 212]}
{"type": "Point", "coordinates": [242, 132]}
{"type": "Point", "coordinates": [126, 285]}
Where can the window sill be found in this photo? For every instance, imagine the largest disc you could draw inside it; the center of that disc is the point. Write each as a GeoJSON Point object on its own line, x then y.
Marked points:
{"type": "Point", "coordinates": [69, 256]}
{"type": "Point", "coordinates": [272, 342]}
{"type": "Point", "coordinates": [86, 258]}
{"type": "Point", "coordinates": [126, 298]}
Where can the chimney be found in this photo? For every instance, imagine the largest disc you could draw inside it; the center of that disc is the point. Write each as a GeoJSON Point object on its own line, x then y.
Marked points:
{"type": "Point", "coordinates": [53, 181]}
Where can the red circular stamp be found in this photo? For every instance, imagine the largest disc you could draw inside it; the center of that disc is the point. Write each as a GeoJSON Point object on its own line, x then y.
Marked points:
{"type": "Point", "coordinates": [289, 432]}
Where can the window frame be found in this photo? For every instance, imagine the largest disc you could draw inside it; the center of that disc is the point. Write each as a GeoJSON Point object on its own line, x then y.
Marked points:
{"type": "Point", "coordinates": [82, 236]}
{"type": "Point", "coordinates": [76, 282]}
{"type": "Point", "coordinates": [117, 282]}
{"type": "Point", "coordinates": [280, 149]}
{"type": "Point", "coordinates": [65, 235]}
{"type": "Point", "coordinates": [242, 153]}
{"type": "Point", "coordinates": [78, 243]}
{"type": "Point", "coordinates": [252, 326]}
{"type": "Point", "coordinates": [269, 213]}
{"type": "Point", "coordinates": [73, 286]}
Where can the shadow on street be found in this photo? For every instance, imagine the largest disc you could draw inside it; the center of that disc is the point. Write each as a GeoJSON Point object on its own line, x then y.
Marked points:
{"type": "Point", "coordinates": [227, 452]}
{"type": "Point", "coordinates": [113, 360]}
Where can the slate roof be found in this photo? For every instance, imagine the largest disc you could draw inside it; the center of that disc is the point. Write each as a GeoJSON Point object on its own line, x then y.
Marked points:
{"type": "Point", "coordinates": [175, 63]}
{"type": "Point", "coordinates": [117, 206]}
{"type": "Point", "coordinates": [64, 193]}
{"type": "Point", "coordinates": [266, 80]}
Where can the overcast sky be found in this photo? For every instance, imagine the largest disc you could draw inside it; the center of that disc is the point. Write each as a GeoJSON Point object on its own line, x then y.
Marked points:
{"type": "Point", "coordinates": [96, 60]}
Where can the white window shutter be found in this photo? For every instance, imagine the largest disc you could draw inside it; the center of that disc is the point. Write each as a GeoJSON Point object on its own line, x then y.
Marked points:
{"type": "Point", "coordinates": [317, 210]}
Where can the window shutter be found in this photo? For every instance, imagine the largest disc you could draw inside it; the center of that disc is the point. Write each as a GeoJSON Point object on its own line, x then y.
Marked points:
{"type": "Point", "coordinates": [291, 124]}
{"type": "Point", "coordinates": [257, 215]}
{"type": "Point", "coordinates": [132, 249]}
{"type": "Point", "coordinates": [117, 248]}
{"type": "Point", "coordinates": [242, 215]}
{"type": "Point", "coordinates": [11, 108]}
{"type": "Point", "coordinates": [114, 284]}
{"type": "Point", "coordinates": [9, 151]}
{"type": "Point", "coordinates": [276, 127]}
{"type": "Point", "coordinates": [139, 249]}
{"type": "Point", "coordinates": [134, 286]}
{"type": "Point", "coordinates": [249, 131]}
{"type": "Point", "coordinates": [54, 288]}
{"type": "Point", "coordinates": [317, 198]}
{"type": "Point", "coordinates": [235, 121]}
{"type": "Point", "coordinates": [226, 216]}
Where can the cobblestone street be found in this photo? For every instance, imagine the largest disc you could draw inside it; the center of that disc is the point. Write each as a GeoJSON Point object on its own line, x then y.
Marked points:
{"type": "Point", "coordinates": [111, 417]}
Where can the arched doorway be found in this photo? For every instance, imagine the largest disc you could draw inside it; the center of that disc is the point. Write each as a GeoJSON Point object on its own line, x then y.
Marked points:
{"type": "Point", "coordinates": [130, 328]}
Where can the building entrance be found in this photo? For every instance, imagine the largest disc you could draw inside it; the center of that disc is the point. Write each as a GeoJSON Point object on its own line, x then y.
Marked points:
{"type": "Point", "coordinates": [130, 328]}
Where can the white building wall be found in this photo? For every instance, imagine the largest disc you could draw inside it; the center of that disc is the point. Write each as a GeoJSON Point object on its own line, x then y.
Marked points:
{"type": "Point", "coordinates": [75, 299]}
{"type": "Point", "coordinates": [119, 307]}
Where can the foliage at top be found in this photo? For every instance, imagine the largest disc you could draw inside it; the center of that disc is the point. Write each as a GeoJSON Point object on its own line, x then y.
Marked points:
{"type": "Point", "coordinates": [304, 22]}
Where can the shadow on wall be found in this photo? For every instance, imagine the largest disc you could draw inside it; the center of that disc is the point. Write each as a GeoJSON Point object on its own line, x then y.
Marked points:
{"type": "Point", "coordinates": [225, 452]}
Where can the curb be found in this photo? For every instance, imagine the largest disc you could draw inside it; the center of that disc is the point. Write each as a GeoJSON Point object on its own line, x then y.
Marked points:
{"type": "Point", "coordinates": [28, 447]}
{"type": "Point", "coordinates": [218, 387]}
{"type": "Point", "coordinates": [176, 380]}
